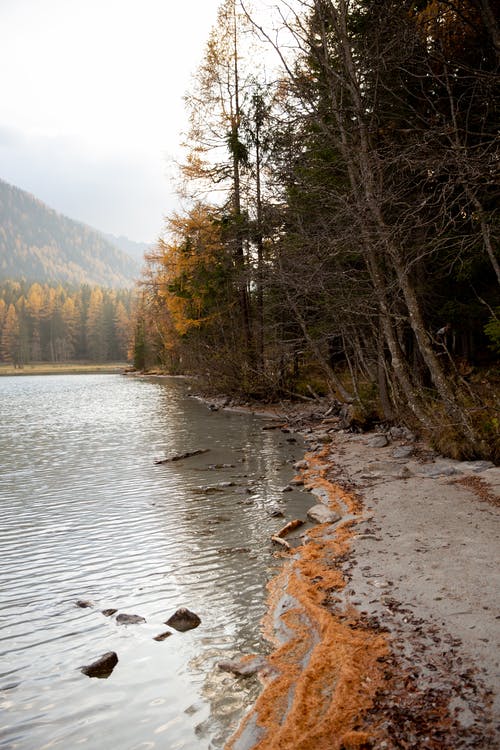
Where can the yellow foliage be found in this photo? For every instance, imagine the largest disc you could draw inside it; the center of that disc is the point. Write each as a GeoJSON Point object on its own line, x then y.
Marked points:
{"type": "Point", "coordinates": [450, 25]}
{"type": "Point", "coordinates": [186, 261]}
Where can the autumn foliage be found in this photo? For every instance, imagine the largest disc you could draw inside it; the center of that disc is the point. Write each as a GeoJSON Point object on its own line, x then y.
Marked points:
{"type": "Point", "coordinates": [341, 230]}
{"type": "Point", "coordinates": [44, 323]}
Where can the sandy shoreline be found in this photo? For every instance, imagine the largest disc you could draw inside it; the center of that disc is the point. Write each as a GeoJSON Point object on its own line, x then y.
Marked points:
{"type": "Point", "coordinates": [387, 623]}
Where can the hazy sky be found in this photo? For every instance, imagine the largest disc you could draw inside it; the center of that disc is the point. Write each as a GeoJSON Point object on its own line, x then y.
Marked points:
{"type": "Point", "coordinates": [91, 103]}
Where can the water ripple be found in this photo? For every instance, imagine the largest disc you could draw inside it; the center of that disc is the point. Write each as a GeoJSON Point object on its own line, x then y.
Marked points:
{"type": "Point", "coordinates": [85, 514]}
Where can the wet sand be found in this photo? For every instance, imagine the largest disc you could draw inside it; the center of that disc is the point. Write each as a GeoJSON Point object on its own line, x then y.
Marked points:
{"type": "Point", "coordinates": [386, 625]}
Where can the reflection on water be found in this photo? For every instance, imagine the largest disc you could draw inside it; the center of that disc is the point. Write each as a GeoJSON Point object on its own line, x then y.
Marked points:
{"type": "Point", "coordinates": [85, 514]}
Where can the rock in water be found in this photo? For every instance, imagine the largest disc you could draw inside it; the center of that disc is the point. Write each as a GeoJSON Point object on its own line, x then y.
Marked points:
{"type": "Point", "coordinates": [108, 612]}
{"type": "Point", "coordinates": [83, 604]}
{"type": "Point", "coordinates": [183, 620]}
{"type": "Point", "coordinates": [162, 636]}
{"type": "Point", "coordinates": [102, 667]}
{"type": "Point", "coordinates": [129, 619]}
{"type": "Point", "coordinates": [300, 465]}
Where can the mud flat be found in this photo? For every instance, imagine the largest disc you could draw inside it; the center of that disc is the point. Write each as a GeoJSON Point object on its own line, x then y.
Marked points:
{"type": "Point", "coordinates": [385, 624]}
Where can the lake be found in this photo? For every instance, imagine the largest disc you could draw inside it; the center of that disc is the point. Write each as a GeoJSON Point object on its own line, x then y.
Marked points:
{"type": "Point", "coordinates": [85, 514]}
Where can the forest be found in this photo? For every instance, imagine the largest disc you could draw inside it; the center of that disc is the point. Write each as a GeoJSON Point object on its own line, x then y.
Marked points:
{"type": "Point", "coordinates": [340, 235]}
{"type": "Point", "coordinates": [45, 323]}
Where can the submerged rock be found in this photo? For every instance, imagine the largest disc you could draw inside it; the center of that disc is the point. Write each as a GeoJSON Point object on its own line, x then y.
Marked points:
{"type": "Point", "coordinates": [275, 511]}
{"type": "Point", "coordinates": [108, 612]}
{"type": "Point", "coordinates": [210, 488]}
{"type": "Point", "coordinates": [84, 604]}
{"type": "Point", "coordinates": [183, 620]}
{"type": "Point", "coordinates": [124, 619]}
{"type": "Point", "coordinates": [300, 465]}
{"type": "Point", "coordinates": [102, 667]}
{"type": "Point", "coordinates": [232, 550]}
{"type": "Point", "coordinates": [181, 456]}
{"type": "Point", "coordinates": [244, 667]}
{"type": "Point", "coordinates": [321, 514]}
{"type": "Point", "coordinates": [162, 636]}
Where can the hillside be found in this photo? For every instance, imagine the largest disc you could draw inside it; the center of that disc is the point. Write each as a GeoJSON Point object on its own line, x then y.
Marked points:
{"type": "Point", "coordinates": [136, 250]}
{"type": "Point", "coordinates": [39, 244]}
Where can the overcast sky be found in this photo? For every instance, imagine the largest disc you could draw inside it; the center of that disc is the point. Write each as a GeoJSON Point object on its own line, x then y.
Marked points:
{"type": "Point", "coordinates": [91, 104]}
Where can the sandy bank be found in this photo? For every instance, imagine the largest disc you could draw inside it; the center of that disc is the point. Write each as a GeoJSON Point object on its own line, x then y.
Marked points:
{"type": "Point", "coordinates": [386, 624]}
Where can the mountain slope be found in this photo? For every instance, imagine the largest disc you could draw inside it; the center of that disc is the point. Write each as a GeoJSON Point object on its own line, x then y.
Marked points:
{"type": "Point", "coordinates": [136, 250]}
{"type": "Point", "coordinates": [39, 244]}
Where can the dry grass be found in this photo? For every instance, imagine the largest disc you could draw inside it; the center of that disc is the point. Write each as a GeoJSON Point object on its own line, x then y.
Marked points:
{"type": "Point", "coordinates": [328, 672]}
{"type": "Point", "coordinates": [63, 368]}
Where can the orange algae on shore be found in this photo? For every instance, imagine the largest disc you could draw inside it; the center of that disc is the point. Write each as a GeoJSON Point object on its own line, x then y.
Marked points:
{"type": "Point", "coordinates": [328, 667]}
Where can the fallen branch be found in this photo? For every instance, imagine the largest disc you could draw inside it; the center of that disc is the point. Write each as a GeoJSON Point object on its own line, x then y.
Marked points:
{"type": "Point", "coordinates": [189, 454]}
{"type": "Point", "coordinates": [281, 541]}
{"type": "Point", "coordinates": [290, 526]}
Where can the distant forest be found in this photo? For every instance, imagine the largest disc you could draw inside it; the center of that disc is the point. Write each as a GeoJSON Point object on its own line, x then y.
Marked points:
{"type": "Point", "coordinates": [353, 250]}
{"type": "Point", "coordinates": [44, 323]}
{"type": "Point", "coordinates": [39, 244]}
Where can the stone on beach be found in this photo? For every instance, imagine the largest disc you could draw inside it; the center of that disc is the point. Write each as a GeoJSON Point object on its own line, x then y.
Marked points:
{"type": "Point", "coordinates": [321, 514]}
{"type": "Point", "coordinates": [378, 441]}
{"type": "Point", "coordinates": [437, 469]}
{"type": "Point", "coordinates": [476, 466]}
{"type": "Point", "coordinates": [404, 451]}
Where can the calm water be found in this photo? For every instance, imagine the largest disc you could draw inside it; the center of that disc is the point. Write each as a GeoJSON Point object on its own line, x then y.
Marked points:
{"type": "Point", "coordinates": [85, 514]}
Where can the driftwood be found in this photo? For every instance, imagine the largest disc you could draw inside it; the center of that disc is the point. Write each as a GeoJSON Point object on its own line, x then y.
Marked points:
{"type": "Point", "coordinates": [179, 457]}
{"type": "Point", "coordinates": [290, 526]}
{"type": "Point", "coordinates": [280, 541]}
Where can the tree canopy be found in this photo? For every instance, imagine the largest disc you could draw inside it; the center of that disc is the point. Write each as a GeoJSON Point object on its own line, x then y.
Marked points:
{"type": "Point", "coordinates": [346, 237]}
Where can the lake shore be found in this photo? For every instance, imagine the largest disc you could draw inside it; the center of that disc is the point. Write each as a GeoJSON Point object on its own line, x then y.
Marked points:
{"type": "Point", "coordinates": [63, 368]}
{"type": "Point", "coordinates": [385, 623]}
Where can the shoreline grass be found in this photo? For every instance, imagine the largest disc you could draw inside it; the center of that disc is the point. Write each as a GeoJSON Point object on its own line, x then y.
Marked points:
{"type": "Point", "coordinates": [63, 368]}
